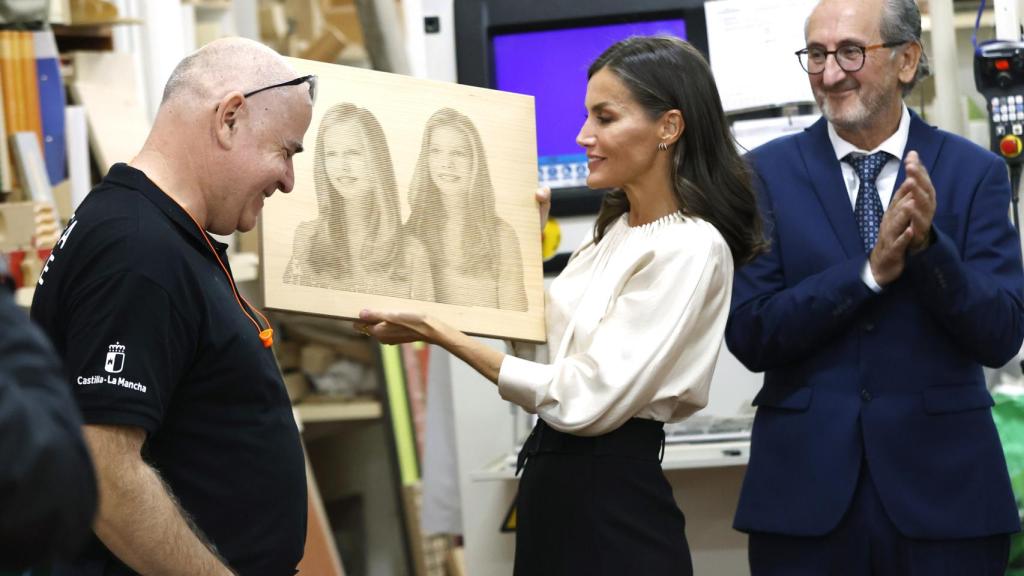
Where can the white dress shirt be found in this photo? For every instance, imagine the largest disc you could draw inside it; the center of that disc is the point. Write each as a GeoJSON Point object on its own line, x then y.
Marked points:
{"type": "Point", "coordinates": [634, 325]}
{"type": "Point", "coordinates": [895, 145]}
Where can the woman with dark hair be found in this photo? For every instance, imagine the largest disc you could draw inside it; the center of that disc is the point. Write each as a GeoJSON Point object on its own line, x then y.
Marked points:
{"type": "Point", "coordinates": [474, 255]}
{"type": "Point", "coordinates": [354, 243]}
{"type": "Point", "coordinates": [634, 322]}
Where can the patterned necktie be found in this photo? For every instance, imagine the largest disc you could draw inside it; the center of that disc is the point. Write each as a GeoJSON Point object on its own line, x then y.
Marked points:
{"type": "Point", "coordinates": [868, 209]}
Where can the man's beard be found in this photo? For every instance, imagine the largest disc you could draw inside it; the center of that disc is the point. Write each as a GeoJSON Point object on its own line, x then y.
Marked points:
{"type": "Point", "coordinates": [859, 114]}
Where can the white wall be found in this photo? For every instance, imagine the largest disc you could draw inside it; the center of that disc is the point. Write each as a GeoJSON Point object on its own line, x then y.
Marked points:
{"type": "Point", "coordinates": [430, 55]}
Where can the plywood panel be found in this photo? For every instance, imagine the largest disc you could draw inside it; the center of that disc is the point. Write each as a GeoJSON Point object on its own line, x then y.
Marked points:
{"type": "Point", "coordinates": [105, 86]}
{"type": "Point", "coordinates": [413, 195]}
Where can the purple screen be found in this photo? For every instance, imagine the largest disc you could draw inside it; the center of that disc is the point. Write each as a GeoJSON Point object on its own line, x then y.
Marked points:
{"type": "Point", "coordinates": [551, 65]}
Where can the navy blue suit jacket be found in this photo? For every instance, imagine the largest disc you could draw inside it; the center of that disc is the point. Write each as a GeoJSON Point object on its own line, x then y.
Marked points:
{"type": "Point", "coordinates": [893, 378]}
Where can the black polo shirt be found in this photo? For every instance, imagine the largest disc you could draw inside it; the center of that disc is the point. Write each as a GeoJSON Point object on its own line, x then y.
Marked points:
{"type": "Point", "coordinates": [152, 336]}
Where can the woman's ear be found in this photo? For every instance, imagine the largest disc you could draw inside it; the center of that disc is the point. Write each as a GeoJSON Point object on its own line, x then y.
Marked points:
{"type": "Point", "coordinates": [671, 126]}
{"type": "Point", "coordinates": [229, 111]}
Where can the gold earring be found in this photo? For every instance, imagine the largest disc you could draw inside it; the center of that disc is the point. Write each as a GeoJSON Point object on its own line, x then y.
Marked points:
{"type": "Point", "coordinates": [662, 146]}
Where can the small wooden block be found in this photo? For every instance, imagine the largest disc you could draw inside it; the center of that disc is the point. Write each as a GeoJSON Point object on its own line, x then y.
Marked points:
{"type": "Point", "coordinates": [17, 225]}
{"type": "Point", "coordinates": [316, 358]}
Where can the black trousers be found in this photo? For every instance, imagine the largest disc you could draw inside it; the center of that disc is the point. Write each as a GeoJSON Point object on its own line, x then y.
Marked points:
{"type": "Point", "coordinates": [598, 505]}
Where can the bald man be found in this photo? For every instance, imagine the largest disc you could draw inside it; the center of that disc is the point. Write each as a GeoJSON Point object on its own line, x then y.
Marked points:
{"type": "Point", "coordinates": [198, 459]}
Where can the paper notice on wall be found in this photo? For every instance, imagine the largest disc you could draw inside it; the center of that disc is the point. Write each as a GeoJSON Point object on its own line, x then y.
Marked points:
{"type": "Point", "coordinates": [751, 44]}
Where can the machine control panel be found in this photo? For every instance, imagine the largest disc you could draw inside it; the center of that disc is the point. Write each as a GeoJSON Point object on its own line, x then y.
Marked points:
{"type": "Point", "coordinates": [999, 76]}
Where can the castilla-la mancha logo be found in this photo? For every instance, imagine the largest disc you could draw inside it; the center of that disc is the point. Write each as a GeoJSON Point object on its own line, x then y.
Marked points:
{"type": "Point", "coordinates": [115, 358]}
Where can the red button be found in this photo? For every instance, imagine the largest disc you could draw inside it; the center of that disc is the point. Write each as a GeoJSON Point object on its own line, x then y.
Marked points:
{"type": "Point", "coordinates": [1002, 64]}
{"type": "Point", "coordinates": [1010, 146]}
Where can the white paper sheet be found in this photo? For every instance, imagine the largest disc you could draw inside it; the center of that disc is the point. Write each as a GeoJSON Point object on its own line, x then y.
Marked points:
{"type": "Point", "coordinates": [751, 44]}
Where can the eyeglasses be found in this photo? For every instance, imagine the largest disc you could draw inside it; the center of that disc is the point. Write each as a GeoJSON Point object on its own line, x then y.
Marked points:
{"type": "Point", "coordinates": [311, 79]}
{"type": "Point", "coordinates": [850, 57]}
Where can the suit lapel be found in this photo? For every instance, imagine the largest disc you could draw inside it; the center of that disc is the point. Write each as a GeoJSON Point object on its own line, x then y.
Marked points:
{"type": "Point", "coordinates": [827, 178]}
{"type": "Point", "coordinates": [923, 139]}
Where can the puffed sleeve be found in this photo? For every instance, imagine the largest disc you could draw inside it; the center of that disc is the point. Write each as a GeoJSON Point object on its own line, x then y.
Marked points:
{"type": "Point", "coordinates": [655, 347]}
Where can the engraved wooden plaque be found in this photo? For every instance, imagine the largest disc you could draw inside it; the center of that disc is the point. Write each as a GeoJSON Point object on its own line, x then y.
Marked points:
{"type": "Point", "coordinates": [411, 195]}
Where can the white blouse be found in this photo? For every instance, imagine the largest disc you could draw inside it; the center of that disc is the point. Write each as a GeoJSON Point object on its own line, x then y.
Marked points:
{"type": "Point", "coordinates": [635, 324]}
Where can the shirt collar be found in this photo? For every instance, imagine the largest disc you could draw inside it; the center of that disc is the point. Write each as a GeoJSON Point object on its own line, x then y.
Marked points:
{"type": "Point", "coordinates": [135, 179]}
{"type": "Point", "coordinates": [894, 145]}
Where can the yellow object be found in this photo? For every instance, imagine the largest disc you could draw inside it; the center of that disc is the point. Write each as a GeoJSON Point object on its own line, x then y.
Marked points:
{"type": "Point", "coordinates": [92, 11]}
{"type": "Point", "coordinates": [509, 523]}
{"type": "Point", "coordinates": [551, 237]}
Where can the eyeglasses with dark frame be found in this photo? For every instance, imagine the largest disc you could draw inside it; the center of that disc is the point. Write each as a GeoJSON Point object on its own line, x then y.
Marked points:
{"type": "Point", "coordinates": [310, 78]}
{"type": "Point", "coordinates": [849, 58]}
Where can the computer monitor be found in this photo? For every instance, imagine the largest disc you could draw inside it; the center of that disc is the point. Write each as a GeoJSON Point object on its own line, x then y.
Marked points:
{"type": "Point", "coordinates": [543, 48]}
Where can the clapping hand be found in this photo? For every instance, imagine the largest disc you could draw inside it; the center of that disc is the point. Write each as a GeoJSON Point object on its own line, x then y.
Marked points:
{"type": "Point", "coordinates": [919, 195]}
{"type": "Point", "coordinates": [906, 225]}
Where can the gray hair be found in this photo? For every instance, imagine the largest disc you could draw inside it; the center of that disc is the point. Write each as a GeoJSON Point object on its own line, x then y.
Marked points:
{"type": "Point", "coordinates": [901, 22]}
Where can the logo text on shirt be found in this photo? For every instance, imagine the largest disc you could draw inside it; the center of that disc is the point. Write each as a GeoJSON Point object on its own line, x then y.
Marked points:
{"type": "Point", "coordinates": [60, 244]}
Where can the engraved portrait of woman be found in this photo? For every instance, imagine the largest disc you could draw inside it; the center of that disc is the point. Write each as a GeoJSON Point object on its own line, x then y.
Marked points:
{"type": "Point", "coordinates": [354, 244]}
{"type": "Point", "coordinates": [473, 254]}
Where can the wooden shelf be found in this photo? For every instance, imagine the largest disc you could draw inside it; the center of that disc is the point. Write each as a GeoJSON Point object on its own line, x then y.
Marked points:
{"type": "Point", "coordinates": [324, 412]}
{"type": "Point", "coordinates": [210, 4]}
{"type": "Point", "coordinates": [83, 26]}
{"type": "Point", "coordinates": [91, 36]}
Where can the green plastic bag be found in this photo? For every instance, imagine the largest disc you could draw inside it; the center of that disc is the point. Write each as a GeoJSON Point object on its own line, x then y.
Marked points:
{"type": "Point", "coordinates": [1009, 416]}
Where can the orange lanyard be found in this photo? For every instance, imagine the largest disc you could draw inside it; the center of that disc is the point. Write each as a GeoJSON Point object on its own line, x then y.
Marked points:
{"type": "Point", "coordinates": [267, 334]}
